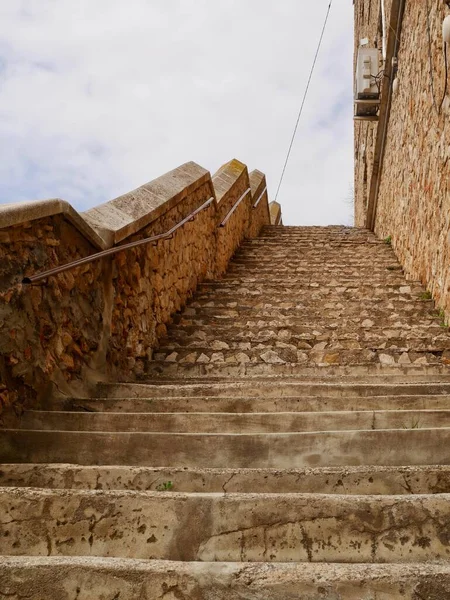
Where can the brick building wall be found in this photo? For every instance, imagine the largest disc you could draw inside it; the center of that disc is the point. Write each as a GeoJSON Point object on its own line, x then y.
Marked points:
{"type": "Point", "coordinates": [402, 186]}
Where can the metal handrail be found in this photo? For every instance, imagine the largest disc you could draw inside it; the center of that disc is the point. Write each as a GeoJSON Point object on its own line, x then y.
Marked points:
{"type": "Point", "coordinates": [260, 196]}
{"type": "Point", "coordinates": [234, 207]}
{"type": "Point", "coordinates": [116, 249]}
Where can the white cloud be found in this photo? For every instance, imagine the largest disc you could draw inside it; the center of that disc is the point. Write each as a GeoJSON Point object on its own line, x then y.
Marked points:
{"type": "Point", "coordinates": [98, 97]}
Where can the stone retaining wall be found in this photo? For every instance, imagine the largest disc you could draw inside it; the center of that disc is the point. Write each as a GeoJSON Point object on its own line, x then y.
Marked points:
{"type": "Point", "coordinates": [48, 332]}
{"type": "Point", "coordinates": [413, 200]}
{"type": "Point", "coordinates": [103, 319]}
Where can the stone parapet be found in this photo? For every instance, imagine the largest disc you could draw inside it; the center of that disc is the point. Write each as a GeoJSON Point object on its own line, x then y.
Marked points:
{"type": "Point", "coordinates": [25, 212]}
{"type": "Point", "coordinates": [121, 218]}
{"type": "Point", "coordinates": [275, 213]}
{"type": "Point", "coordinates": [260, 206]}
{"type": "Point", "coordinates": [104, 318]}
{"type": "Point", "coordinates": [232, 185]}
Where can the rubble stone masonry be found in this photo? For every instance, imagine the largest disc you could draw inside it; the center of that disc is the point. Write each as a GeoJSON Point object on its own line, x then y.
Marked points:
{"type": "Point", "coordinates": [413, 199]}
{"type": "Point", "coordinates": [104, 318]}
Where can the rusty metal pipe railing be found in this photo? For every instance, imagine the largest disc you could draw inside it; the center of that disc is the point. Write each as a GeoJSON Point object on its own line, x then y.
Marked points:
{"type": "Point", "coordinates": [234, 207]}
{"type": "Point", "coordinates": [260, 197]}
{"type": "Point", "coordinates": [116, 249]}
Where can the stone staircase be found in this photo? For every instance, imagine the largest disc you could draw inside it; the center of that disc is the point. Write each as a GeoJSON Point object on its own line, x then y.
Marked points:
{"type": "Point", "coordinates": [291, 441]}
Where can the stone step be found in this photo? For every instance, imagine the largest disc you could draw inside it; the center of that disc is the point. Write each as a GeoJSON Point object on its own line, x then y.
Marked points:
{"type": "Point", "coordinates": [277, 388]}
{"type": "Point", "coordinates": [289, 253]}
{"type": "Point", "coordinates": [329, 252]}
{"type": "Point", "coordinates": [312, 316]}
{"type": "Point", "coordinates": [361, 339]}
{"type": "Point", "coordinates": [329, 322]}
{"type": "Point", "coordinates": [333, 274]}
{"type": "Point", "coordinates": [301, 281]}
{"type": "Point", "coordinates": [326, 276]}
{"type": "Point", "coordinates": [260, 262]}
{"type": "Point", "coordinates": [275, 450]}
{"type": "Point", "coordinates": [284, 233]}
{"type": "Point", "coordinates": [317, 243]}
{"type": "Point", "coordinates": [301, 244]}
{"type": "Point", "coordinates": [268, 330]}
{"type": "Point", "coordinates": [315, 301]}
{"type": "Point", "coordinates": [315, 261]}
{"type": "Point", "coordinates": [310, 320]}
{"type": "Point", "coordinates": [318, 238]}
{"type": "Point", "coordinates": [302, 247]}
{"type": "Point", "coordinates": [300, 334]}
{"type": "Point", "coordinates": [333, 480]}
{"type": "Point", "coordinates": [301, 298]}
{"type": "Point", "coordinates": [280, 238]}
{"type": "Point", "coordinates": [280, 230]}
{"type": "Point", "coordinates": [316, 269]}
{"type": "Point", "coordinates": [236, 305]}
{"type": "Point", "coordinates": [279, 422]}
{"type": "Point", "coordinates": [226, 527]}
{"type": "Point", "coordinates": [326, 366]}
{"type": "Point", "coordinates": [352, 331]}
{"type": "Point", "coordinates": [309, 298]}
{"type": "Point", "coordinates": [288, 329]}
{"type": "Point", "coordinates": [302, 352]}
{"type": "Point", "coordinates": [308, 345]}
{"type": "Point", "coordinates": [218, 404]}
{"type": "Point", "coordinates": [86, 578]}
{"type": "Point", "coordinates": [404, 355]}
{"type": "Point", "coordinates": [272, 298]}
{"type": "Point", "coordinates": [300, 287]}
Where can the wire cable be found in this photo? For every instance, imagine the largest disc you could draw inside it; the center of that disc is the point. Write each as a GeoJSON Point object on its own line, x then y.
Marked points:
{"type": "Point", "coordinates": [304, 99]}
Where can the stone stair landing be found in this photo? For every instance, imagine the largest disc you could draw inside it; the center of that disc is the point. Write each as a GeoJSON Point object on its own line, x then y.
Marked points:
{"type": "Point", "coordinates": [288, 441]}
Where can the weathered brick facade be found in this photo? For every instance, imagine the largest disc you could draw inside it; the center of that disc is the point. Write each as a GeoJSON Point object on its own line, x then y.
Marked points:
{"type": "Point", "coordinates": [402, 186]}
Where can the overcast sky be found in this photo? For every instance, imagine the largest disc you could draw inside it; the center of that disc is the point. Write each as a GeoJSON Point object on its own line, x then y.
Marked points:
{"type": "Point", "coordinates": [98, 97]}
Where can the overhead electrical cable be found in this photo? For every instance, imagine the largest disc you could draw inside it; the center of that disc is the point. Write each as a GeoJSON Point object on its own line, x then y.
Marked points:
{"type": "Point", "coordinates": [304, 98]}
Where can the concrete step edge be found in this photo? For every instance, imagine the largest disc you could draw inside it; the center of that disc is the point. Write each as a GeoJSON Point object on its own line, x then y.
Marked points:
{"type": "Point", "coordinates": [374, 480]}
{"type": "Point", "coordinates": [270, 450]}
{"type": "Point", "coordinates": [61, 578]}
{"type": "Point", "coordinates": [356, 529]}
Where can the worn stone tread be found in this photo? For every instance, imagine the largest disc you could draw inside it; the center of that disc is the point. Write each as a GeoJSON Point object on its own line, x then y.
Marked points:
{"type": "Point", "coordinates": [254, 369]}
{"type": "Point", "coordinates": [242, 423]}
{"type": "Point", "coordinates": [248, 404]}
{"type": "Point", "coordinates": [86, 578]}
{"type": "Point", "coordinates": [277, 387]}
{"type": "Point", "coordinates": [226, 527]}
{"type": "Point", "coordinates": [373, 480]}
{"type": "Point", "coordinates": [38, 578]}
{"type": "Point", "coordinates": [268, 450]}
